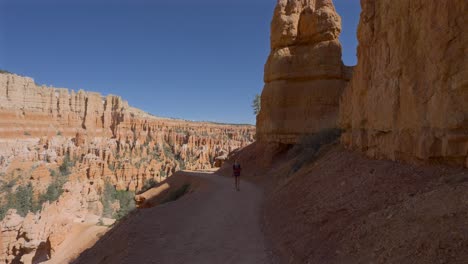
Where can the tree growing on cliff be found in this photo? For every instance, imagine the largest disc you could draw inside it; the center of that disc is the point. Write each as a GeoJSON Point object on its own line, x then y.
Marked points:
{"type": "Point", "coordinates": [256, 104]}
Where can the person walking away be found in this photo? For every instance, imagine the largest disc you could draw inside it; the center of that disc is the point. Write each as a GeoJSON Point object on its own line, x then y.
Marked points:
{"type": "Point", "coordinates": [236, 168]}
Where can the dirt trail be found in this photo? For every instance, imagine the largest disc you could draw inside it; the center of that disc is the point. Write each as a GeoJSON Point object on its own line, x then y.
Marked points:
{"type": "Point", "coordinates": [213, 225]}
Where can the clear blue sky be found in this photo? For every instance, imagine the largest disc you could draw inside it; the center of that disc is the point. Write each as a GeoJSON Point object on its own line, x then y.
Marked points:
{"type": "Point", "coordinates": [196, 60]}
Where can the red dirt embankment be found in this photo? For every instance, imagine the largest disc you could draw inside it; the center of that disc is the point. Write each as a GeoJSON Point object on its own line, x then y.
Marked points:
{"type": "Point", "coordinates": [344, 208]}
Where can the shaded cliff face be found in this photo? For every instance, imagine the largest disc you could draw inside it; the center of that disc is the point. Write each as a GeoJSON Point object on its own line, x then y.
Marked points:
{"type": "Point", "coordinates": [68, 158]}
{"type": "Point", "coordinates": [304, 74]}
{"type": "Point", "coordinates": [408, 98]}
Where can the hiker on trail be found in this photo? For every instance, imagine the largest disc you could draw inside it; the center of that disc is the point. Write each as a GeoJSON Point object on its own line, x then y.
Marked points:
{"type": "Point", "coordinates": [236, 168]}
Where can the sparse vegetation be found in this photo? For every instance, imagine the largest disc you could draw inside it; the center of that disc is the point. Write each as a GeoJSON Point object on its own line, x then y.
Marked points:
{"type": "Point", "coordinates": [59, 133]}
{"type": "Point", "coordinates": [168, 151]}
{"type": "Point", "coordinates": [182, 164]}
{"type": "Point", "coordinates": [66, 165]}
{"type": "Point", "coordinates": [125, 198]}
{"type": "Point", "coordinates": [310, 145]}
{"type": "Point", "coordinates": [177, 193]}
{"type": "Point", "coordinates": [150, 183]}
{"type": "Point", "coordinates": [3, 211]}
{"type": "Point", "coordinates": [27, 133]}
{"type": "Point", "coordinates": [55, 189]}
{"type": "Point", "coordinates": [8, 186]}
{"type": "Point", "coordinates": [4, 71]}
{"type": "Point", "coordinates": [22, 200]}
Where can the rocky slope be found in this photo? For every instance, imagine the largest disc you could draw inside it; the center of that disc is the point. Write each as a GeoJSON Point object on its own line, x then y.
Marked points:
{"type": "Point", "coordinates": [76, 157]}
{"type": "Point", "coordinates": [338, 206]}
{"type": "Point", "coordinates": [408, 98]}
{"type": "Point", "coordinates": [304, 74]}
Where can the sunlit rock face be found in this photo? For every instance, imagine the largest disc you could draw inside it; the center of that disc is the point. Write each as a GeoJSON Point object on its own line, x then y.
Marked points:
{"type": "Point", "coordinates": [408, 98]}
{"type": "Point", "coordinates": [304, 74]}
{"type": "Point", "coordinates": [105, 141]}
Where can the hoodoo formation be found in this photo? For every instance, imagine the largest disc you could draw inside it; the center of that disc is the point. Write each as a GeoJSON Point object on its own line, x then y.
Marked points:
{"type": "Point", "coordinates": [408, 98]}
{"type": "Point", "coordinates": [72, 163]}
{"type": "Point", "coordinates": [304, 74]}
{"type": "Point", "coordinates": [71, 158]}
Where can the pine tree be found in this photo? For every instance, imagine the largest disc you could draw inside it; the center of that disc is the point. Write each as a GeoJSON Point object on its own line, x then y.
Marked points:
{"type": "Point", "coordinates": [256, 104]}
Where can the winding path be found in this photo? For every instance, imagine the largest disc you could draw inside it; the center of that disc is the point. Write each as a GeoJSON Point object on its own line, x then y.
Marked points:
{"type": "Point", "coordinates": [213, 225]}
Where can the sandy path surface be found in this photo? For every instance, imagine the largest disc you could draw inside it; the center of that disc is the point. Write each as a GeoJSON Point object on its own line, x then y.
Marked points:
{"type": "Point", "coordinates": [213, 225]}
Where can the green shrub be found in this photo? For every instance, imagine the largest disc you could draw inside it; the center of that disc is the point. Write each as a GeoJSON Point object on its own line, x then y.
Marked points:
{"type": "Point", "coordinates": [4, 71]}
{"type": "Point", "coordinates": [168, 151]}
{"type": "Point", "coordinates": [182, 164]}
{"type": "Point", "coordinates": [3, 211]}
{"type": "Point", "coordinates": [67, 164]}
{"type": "Point", "coordinates": [310, 145]}
{"type": "Point", "coordinates": [59, 133]}
{"type": "Point", "coordinates": [27, 133]}
{"type": "Point", "coordinates": [55, 189]}
{"type": "Point", "coordinates": [8, 186]}
{"type": "Point", "coordinates": [150, 183]}
{"type": "Point", "coordinates": [53, 173]}
{"type": "Point", "coordinates": [21, 200]}
{"type": "Point", "coordinates": [107, 198]}
{"type": "Point", "coordinates": [177, 193]}
{"type": "Point", "coordinates": [127, 203]}
{"type": "Point", "coordinates": [125, 198]}
{"type": "Point", "coordinates": [111, 167]}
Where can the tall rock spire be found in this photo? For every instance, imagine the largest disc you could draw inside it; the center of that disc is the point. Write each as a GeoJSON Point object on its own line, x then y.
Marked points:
{"type": "Point", "coordinates": [304, 74]}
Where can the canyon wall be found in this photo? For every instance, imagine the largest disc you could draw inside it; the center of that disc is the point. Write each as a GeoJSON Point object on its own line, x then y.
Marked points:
{"type": "Point", "coordinates": [408, 98]}
{"type": "Point", "coordinates": [304, 74]}
{"type": "Point", "coordinates": [66, 158]}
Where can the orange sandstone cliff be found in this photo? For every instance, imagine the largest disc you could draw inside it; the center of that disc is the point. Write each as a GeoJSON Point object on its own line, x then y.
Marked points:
{"type": "Point", "coordinates": [408, 98]}
{"type": "Point", "coordinates": [304, 74]}
{"type": "Point", "coordinates": [77, 158]}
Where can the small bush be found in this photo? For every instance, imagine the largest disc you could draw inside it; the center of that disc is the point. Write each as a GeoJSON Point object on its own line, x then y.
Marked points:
{"type": "Point", "coordinates": [9, 185]}
{"type": "Point", "coordinates": [310, 145]}
{"type": "Point", "coordinates": [168, 151]}
{"type": "Point", "coordinates": [55, 189]}
{"type": "Point", "coordinates": [125, 198]}
{"type": "Point", "coordinates": [59, 133]}
{"type": "Point", "coordinates": [175, 195]}
{"type": "Point", "coordinates": [107, 198]}
{"type": "Point", "coordinates": [182, 164]}
{"type": "Point", "coordinates": [27, 133]}
{"type": "Point", "coordinates": [67, 164]}
{"type": "Point", "coordinates": [3, 211]}
{"type": "Point", "coordinates": [148, 185]}
{"type": "Point", "coordinates": [21, 200]}
{"type": "Point", "coordinates": [127, 203]}
{"type": "Point", "coordinates": [53, 173]}
{"type": "Point", "coordinates": [111, 167]}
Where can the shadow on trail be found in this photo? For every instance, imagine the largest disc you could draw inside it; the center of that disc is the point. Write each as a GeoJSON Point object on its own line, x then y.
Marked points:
{"type": "Point", "coordinates": [169, 190]}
